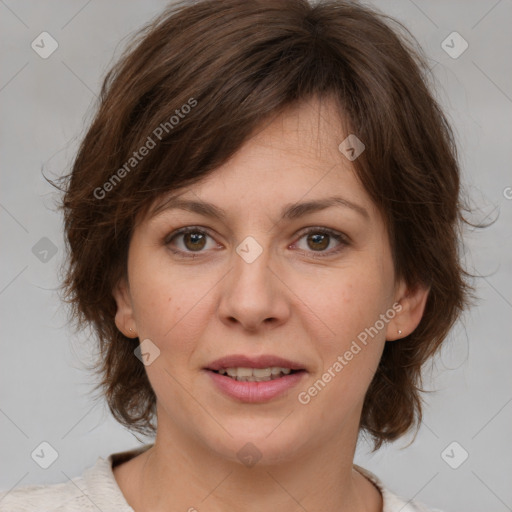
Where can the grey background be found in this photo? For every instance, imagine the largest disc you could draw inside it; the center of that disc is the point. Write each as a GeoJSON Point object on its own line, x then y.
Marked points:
{"type": "Point", "coordinates": [43, 393]}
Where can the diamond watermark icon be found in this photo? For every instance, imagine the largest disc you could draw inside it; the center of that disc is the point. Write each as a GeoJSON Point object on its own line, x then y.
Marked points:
{"type": "Point", "coordinates": [249, 455]}
{"type": "Point", "coordinates": [351, 147]}
{"type": "Point", "coordinates": [454, 45]}
{"type": "Point", "coordinates": [44, 455]}
{"type": "Point", "coordinates": [454, 455]}
{"type": "Point", "coordinates": [249, 249]}
{"type": "Point", "coordinates": [147, 352]}
{"type": "Point", "coordinates": [44, 45]}
{"type": "Point", "coordinates": [44, 250]}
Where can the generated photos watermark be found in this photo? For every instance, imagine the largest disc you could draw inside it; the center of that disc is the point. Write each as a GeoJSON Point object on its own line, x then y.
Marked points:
{"type": "Point", "coordinates": [306, 396]}
{"type": "Point", "coordinates": [158, 133]}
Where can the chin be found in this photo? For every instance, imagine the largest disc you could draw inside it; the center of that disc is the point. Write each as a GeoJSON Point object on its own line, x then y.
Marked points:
{"type": "Point", "coordinates": [267, 441]}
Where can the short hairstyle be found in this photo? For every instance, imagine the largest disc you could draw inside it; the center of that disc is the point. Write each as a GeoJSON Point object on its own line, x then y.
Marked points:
{"type": "Point", "coordinates": [191, 89]}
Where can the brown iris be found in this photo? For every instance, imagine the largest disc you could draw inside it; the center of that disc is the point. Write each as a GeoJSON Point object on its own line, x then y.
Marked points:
{"type": "Point", "coordinates": [197, 240]}
{"type": "Point", "coordinates": [320, 241]}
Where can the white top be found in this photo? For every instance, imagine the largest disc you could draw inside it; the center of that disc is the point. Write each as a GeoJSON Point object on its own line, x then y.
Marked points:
{"type": "Point", "coordinates": [97, 489]}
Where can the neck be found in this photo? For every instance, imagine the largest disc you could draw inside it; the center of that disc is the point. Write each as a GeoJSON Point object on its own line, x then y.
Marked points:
{"type": "Point", "coordinates": [178, 473]}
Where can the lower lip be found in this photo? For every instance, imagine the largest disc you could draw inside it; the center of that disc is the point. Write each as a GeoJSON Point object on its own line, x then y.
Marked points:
{"type": "Point", "coordinates": [255, 392]}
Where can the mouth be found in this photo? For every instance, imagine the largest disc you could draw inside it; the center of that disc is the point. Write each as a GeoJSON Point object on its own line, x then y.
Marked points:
{"type": "Point", "coordinates": [255, 379]}
{"type": "Point", "coordinates": [254, 368]}
{"type": "Point", "coordinates": [243, 374]}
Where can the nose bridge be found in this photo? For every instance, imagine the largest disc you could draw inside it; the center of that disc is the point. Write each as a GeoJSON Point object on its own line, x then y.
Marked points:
{"type": "Point", "coordinates": [251, 273]}
{"type": "Point", "coordinates": [250, 294]}
{"type": "Point", "coordinates": [251, 262]}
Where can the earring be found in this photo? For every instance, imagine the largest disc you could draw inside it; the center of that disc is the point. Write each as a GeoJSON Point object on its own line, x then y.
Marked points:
{"type": "Point", "coordinates": [399, 331]}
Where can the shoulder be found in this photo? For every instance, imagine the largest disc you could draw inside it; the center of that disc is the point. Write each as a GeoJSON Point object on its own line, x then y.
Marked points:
{"type": "Point", "coordinates": [392, 502]}
{"type": "Point", "coordinates": [95, 490]}
{"type": "Point", "coordinates": [50, 498]}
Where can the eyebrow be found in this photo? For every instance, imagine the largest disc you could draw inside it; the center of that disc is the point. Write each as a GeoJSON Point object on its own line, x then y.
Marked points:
{"type": "Point", "coordinates": [289, 211]}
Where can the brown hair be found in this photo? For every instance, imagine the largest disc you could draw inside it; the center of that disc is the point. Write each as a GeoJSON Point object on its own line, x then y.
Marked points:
{"type": "Point", "coordinates": [197, 82]}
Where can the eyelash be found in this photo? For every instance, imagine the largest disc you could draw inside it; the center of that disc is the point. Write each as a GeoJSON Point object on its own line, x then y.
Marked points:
{"type": "Point", "coordinates": [342, 239]}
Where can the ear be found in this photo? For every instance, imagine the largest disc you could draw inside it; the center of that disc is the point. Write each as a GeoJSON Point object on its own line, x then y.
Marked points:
{"type": "Point", "coordinates": [412, 301]}
{"type": "Point", "coordinates": [124, 318]}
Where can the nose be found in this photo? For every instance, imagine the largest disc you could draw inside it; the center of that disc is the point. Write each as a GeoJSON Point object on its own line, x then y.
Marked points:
{"type": "Point", "coordinates": [252, 296]}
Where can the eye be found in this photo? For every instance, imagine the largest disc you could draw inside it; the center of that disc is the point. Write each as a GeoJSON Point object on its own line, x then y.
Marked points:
{"type": "Point", "coordinates": [193, 240]}
{"type": "Point", "coordinates": [319, 239]}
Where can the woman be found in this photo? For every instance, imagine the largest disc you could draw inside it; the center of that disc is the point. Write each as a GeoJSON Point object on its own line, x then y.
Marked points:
{"type": "Point", "coordinates": [262, 222]}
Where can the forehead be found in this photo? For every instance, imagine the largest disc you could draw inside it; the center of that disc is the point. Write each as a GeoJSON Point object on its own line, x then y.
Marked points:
{"type": "Point", "coordinates": [292, 157]}
{"type": "Point", "coordinates": [311, 129]}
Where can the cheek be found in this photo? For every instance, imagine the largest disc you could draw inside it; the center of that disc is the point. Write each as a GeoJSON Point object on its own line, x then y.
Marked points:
{"type": "Point", "coordinates": [171, 308]}
{"type": "Point", "coordinates": [346, 329]}
{"type": "Point", "coordinates": [346, 302]}
{"type": "Point", "coordinates": [349, 345]}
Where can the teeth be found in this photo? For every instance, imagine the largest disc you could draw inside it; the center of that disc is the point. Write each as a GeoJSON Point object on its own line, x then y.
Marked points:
{"type": "Point", "coordinates": [255, 374]}
{"type": "Point", "coordinates": [262, 372]}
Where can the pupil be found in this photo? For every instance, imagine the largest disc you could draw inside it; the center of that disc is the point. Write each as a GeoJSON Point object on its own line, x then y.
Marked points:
{"type": "Point", "coordinates": [194, 237]}
{"type": "Point", "coordinates": [318, 239]}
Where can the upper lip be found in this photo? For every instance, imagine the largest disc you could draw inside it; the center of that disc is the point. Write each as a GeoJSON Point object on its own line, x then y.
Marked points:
{"type": "Point", "coordinates": [262, 361]}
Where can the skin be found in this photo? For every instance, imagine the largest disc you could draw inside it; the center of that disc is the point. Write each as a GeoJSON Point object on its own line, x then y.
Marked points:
{"type": "Point", "coordinates": [291, 302]}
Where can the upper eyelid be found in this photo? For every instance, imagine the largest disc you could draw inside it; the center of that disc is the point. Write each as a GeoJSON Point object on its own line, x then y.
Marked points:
{"type": "Point", "coordinates": [329, 231]}
{"type": "Point", "coordinates": [340, 236]}
{"type": "Point", "coordinates": [301, 232]}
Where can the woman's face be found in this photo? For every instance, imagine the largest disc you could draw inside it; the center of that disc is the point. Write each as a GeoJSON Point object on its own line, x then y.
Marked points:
{"type": "Point", "coordinates": [286, 257]}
